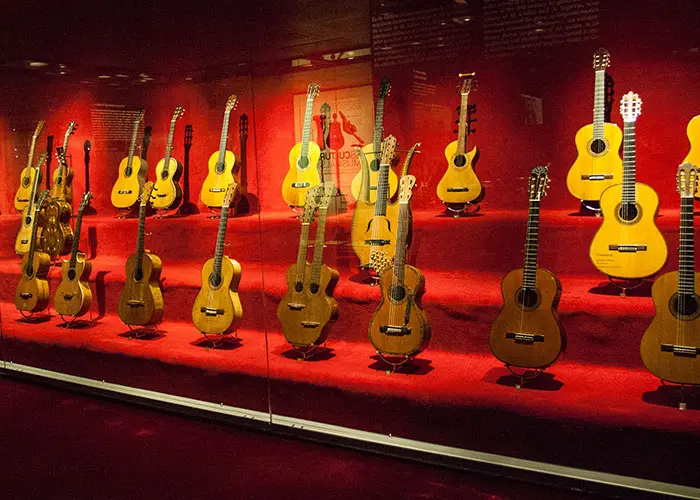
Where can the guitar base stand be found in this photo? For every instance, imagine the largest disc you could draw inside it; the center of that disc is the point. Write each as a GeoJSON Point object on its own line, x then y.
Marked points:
{"type": "Point", "coordinates": [309, 351]}
{"type": "Point", "coordinates": [34, 317]}
{"type": "Point", "coordinates": [188, 208]}
{"type": "Point", "coordinates": [125, 213]}
{"type": "Point", "coordinates": [682, 403]}
{"type": "Point", "coordinates": [74, 322]}
{"type": "Point", "coordinates": [459, 210]}
{"type": "Point", "coordinates": [141, 331]}
{"type": "Point", "coordinates": [525, 375]}
{"type": "Point", "coordinates": [625, 285]}
{"type": "Point", "coordinates": [395, 362]}
{"type": "Point", "coordinates": [590, 207]}
{"type": "Point", "coordinates": [219, 339]}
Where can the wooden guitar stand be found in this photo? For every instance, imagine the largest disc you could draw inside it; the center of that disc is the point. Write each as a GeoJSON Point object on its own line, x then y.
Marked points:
{"type": "Point", "coordinates": [524, 375]}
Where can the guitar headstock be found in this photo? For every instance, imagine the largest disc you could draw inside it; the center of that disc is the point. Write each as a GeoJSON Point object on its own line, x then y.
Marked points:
{"type": "Point", "coordinates": [687, 180]}
{"type": "Point", "coordinates": [538, 183]}
{"type": "Point", "coordinates": [468, 83]}
{"type": "Point", "coordinates": [312, 197]}
{"type": "Point", "coordinates": [84, 201]}
{"type": "Point", "coordinates": [630, 107]}
{"type": "Point", "coordinates": [312, 91]}
{"type": "Point", "coordinates": [139, 116]}
{"type": "Point", "coordinates": [188, 136]}
{"type": "Point", "coordinates": [384, 87]}
{"type": "Point", "coordinates": [41, 160]}
{"type": "Point", "coordinates": [388, 150]}
{"type": "Point", "coordinates": [72, 127]}
{"type": "Point", "coordinates": [229, 195]}
{"type": "Point", "coordinates": [177, 114]}
{"type": "Point", "coordinates": [406, 188]}
{"type": "Point", "coordinates": [231, 102]}
{"type": "Point", "coordinates": [601, 59]}
{"type": "Point", "coordinates": [243, 125]}
{"type": "Point", "coordinates": [61, 155]}
{"type": "Point", "coordinates": [42, 199]}
{"type": "Point", "coordinates": [146, 193]}
{"type": "Point", "coordinates": [39, 129]}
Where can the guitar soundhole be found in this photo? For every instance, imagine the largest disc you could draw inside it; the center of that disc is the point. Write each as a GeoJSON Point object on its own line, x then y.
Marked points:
{"type": "Point", "coordinates": [59, 180]}
{"type": "Point", "coordinates": [298, 287]}
{"type": "Point", "coordinates": [28, 220]}
{"type": "Point", "coordinates": [628, 212]}
{"type": "Point", "coordinates": [460, 160]}
{"type": "Point", "coordinates": [527, 298]}
{"type": "Point", "coordinates": [215, 280]}
{"type": "Point", "coordinates": [138, 274]}
{"type": "Point", "coordinates": [684, 305]}
{"type": "Point", "coordinates": [29, 271]}
{"type": "Point", "coordinates": [398, 293]}
{"type": "Point", "coordinates": [71, 274]}
{"type": "Point", "coordinates": [127, 171]}
{"type": "Point", "coordinates": [220, 168]}
{"type": "Point", "coordinates": [598, 146]}
{"type": "Point", "coordinates": [303, 162]}
{"type": "Point", "coordinates": [164, 174]}
{"type": "Point", "coordinates": [25, 182]}
{"type": "Point", "coordinates": [374, 165]}
{"type": "Point", "coordinates": [313, 288]}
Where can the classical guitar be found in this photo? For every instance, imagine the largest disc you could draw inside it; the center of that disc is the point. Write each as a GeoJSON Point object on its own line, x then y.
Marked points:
{"type": "Point", "coordinates": [62, 185]}
{"type": "Point", "coordinates": [132, 173]}
{"type": "Point", "coordinates": [598, 165]}
{"type": "Point", "coordinates": [57, 235]}
{"type": "Point", "coordinates": [221, 164]}
{"type": "Point", "coordinates": [460, 185]}
{"type": "Point", "coordinates": [628, 245]}
{"type": "Point", "coordinates": [373, 151]}
{"type": "Point", "coordinates": [187, 207]}
{"type": "Point", "coordinates": [527, 332]}
{"type": "Point", "coordinates": [217, 304]}
{"type": "Point", "coordinates": [32, 293]}
{"type": "Point", "coordinates": [73, 295]}
{"type": "Point", "coordinates": [167, 193]}
{"type": "Point", "coordinates": [670, 347]}
{"type": "Point", "coordinates": [141, 300]}
{"type": "Point", "coordinates": [693, 132]}
{"type": "Point", "coordinates": [303, 159]}
{"type": "Point", "coordinates": [399, 327]}
{"type": "Point", "coordinates": [26, 229]}
{"type": "Point", "coordinates": [26, 183]}
{"type": "Point", "coordinates": [308, 310]}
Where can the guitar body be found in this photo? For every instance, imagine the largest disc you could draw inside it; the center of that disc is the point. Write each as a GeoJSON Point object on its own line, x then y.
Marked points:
{"type": "Point", "coordinates": [32, 293]}
{"type": "Point", "coordinates": [73, 296]}
{"type": "Point", "coordinates": [365, 226]}
{"type": "Point", "coordinates": [216, 307]}
{"type": "Point", "coordinates": [125, 192]}
{"type": "Point", "coordinates": [307, 316]}
{"type": "Point", "coordinates": [24, 235]}
{"type": "Point", "coordinates": [167, 193]}
{"type": "Point", "coordinates": [459, 184]}
{"type": "Point", "coordinates": [641, 230]}
{"type": "Point", "coordinates": [24, 192]}
{"type": "Point", "coordinates": [141, 300]}
{"type": "Point", "coordinates": [373, 161]}
{"type": "Point", "coordinates": [670, 328]}
{"type": "Point", "coordinates": [538, 317]}
{"type": "Point", "coordinates": [214, 187]}
{"type": "Point", "coordinates": [62, 187]}
{"type": "Point", "coordinates": [57, 236]}
{"type": "Point", "coordinates": [595, 158]}
{"type": "Point", "coordinates": [393, 312]}
{"type": "Point", "coordinates": [693, 132]}
{"type": "Point", "coordinates": [303, 178]}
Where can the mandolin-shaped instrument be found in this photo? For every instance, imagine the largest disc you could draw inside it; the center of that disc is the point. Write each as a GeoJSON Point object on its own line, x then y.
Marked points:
{"type": "Point", "coordinates": [217, 305]}
{"type": "Point", "coordinates": [527, 332]}
{"type": "Point", "coordinates": [167, 193]}
{"type": "Point", "coordinates": [57, 235]}
{"type": "Point", "coordinates": [62, 186]}
{"type": "Point", "coordinates": [27, 190]}
{"type": "Point", "coordinates": [308, 310]}
{"type": "Point", "coordinates": [628, 245]}
{"type": "Point", "coordinates": [73, 295]}
{"type": "Point", "coordinates": [399, 328]}
{"type": "Point", "coordinates": [32, 293]}
{"type": "Point", "coordinates": [26, 229]}
{"type": "Point", "coordinates": [141, 300]}
{"type": "Point", "coordinates": [303, 159]}
{"type": "Point", "coordinates": [132, 173]}
{"type": "Point", "coordinates": [670, 347]}
{"type": "Point", "coordinates": [221, 165]}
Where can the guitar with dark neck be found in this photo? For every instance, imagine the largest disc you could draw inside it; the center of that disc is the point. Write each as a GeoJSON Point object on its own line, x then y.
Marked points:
{"type": "Point", "coordinates": [248, 203]}
{"type": "Point", "coordinates": [187, 207]}
{"type": "Point", "coordinates": [87, 209]}
{"type": "Point", "coordinates": [32, 293]}
{"type": "Point", "coordinates": [27, 186]}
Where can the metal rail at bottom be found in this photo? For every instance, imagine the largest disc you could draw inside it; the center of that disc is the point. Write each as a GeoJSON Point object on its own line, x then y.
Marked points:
{"type": "Point", "coordinates": [610, 485]}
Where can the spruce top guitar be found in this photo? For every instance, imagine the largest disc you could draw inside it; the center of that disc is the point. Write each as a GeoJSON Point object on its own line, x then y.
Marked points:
{"type": "Point", "coordinates": [303, 159]}
{"type": "Point", "coordinates": [24, 235]}
{"type": "Point", "coordinates": [217, 304]}
{"type": "Point", "coordinates": [32, 293]}
{"type": "Point", "coordinates": [73, 296]}
{"type": "Point", "coordinates": [373, 152]}
{"type": "Point", "coordinates": [26, 184]}
{"type": "Point", "coordinates": [221, 165]}
{"type": "Point", "coordinates": [598, 165]}
{"type": "Point", "coordinates": [308, 310]}
{"type": "Point", "coordinates": [670, 347]}
{"type": "Point", "coordinates": [693, 132]}
{"type": "Point", "coordinates": [628, 245]}
{"type": "Point", "coordinates": [460, 185]}
{"type": "Point", "coordinates": [132, 172]}
{"type": "Point", "coordinates": [167, 193]}
{"type": "Point", "coordinates": [527, 332]}
{"type": "Point", "coordinates": [62, 187]}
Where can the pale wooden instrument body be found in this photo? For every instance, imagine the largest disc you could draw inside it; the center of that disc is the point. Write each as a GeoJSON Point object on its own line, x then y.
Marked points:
{"type": "Point", "coordinates": [62, 187]}
{"type": "Point", "coordinates": [215, 184]}
{"type": "Point", "coordinates": [223, 298]}
{"type": "Point", "coordinates": [32, 293]}
{"type": "Point", "coordinates": [539, 320]}
{"type": "Point", "coordinates": [641, 230]}
{"type": "Point", "coordinates": [364, 225]}
{"type": "Point", "coordinates": [373, 159]}
{"type": "Point", "coordinates": [24, 235]}
{"type": "Point", "coordinates": [57, 235]}
{"type": "Point", "coordinates": [73, 296]}
{"type": "Point", "coordinates": [125, 192]}
{"type": "Point", "coordinates": [296, 197]}
{"type": "Point", "coordinates": [24, 192]}
{"type": "Point", "coordinates": [167, 193]}
{"type": "Point", "coordinates": [693, 132]}
{"type": "Point", "coordinates": [145, 294]}
{"type": "Point", "coordinates": [459, 177]}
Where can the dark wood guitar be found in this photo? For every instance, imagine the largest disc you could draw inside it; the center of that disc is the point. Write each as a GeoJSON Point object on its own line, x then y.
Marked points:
{"type": "Point", "coordinates": [248, 202]}
{"type": "Point", "coordinates": [187, 206]}
{"type": "Point", "coordinates": [32, 293]}
{"type": "Point", "coordinates": [87, 209]}
{"type": "Point", "coordinates": [57, 235]}
{"type": "Point", "coordinates": [527, 332]}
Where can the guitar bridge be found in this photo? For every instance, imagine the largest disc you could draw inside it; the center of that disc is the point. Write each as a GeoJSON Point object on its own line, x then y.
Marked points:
{"type": "Point", "coordinates": [458, 189]}
{"type": "Point", "coordinates": [22, 200]}
{"type": "Point", "coordinates": [296, 307]}
{"type": "Point", "coordinates": [310, 324]}
{"type": "Point", "coordinates": [596, 177]}
{"type": "Point", "coordinates": [216, 190]}
{"type": "Point", "coordinates": [627, 248]}
{"type": "Point", "coordinates": [681, 350]}
{"type": "Point", "coordinates": [161, 195]}
{"type": "Point", "coordinates": [525, 338]}
{"type": "Point", "coordinates": [395, 331]}
{"type": "Point", "coordinates": [380, 243]}
{"type": "Point", "coordinates": [301, 184]}
{"type": "Point", "coordinates": [124, 191]}
{"type": "Point", "coordinates": [25, 295]}
{"type": "Point", "coordinates": [135, 303]}
{"type": "Point", "coordinates": [68, 296]}
{"type": "Point", "coordinates": [373, 188]}
{"type": "Point", "coordinates": [211, 311]}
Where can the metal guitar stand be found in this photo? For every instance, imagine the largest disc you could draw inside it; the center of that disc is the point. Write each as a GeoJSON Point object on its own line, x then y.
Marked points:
{"type": "Point", "coordinates": [74, 322]}
{"type": "Point", "coordinates": [395, 364]}
{"type": "Point", "coordinates": [625, 285]}
{"type": "Point", "coordinates": [463, 210]}
{"type": "Point", "coordinates": [524, 375]}
{"type": "Point", "coordinates": [218, 340]}
{"type": "Point", "coordinates": [142, 331]}
{"type": "Point", "coordinates": [682, 403]}
{"type": "Point", "coordinates": [309, 351]}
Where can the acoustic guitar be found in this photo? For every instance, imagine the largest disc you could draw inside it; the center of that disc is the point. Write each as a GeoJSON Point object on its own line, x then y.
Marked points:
{"type": "Point", "coordinates": [217, 304]}
{"type": "Point", "coordinates": [32, 293]}
{"type": "Point", "coordinates": [73, 296]}
{"type": "Point", "coordinates": [628, 245]}
{"type": "Point", "coordinates": [598, 165]}
{"type": "Point", "coordinates": [57, 235]}
{"type": "Point", "coordinates": [670, 347]}
{"type": "Point", "coordinates": [373, 152]}
{"type": "Point", "coordinates": [221, 164]}
{"type": "Point", "coordinates": [399, 327]}
{"type": "Point", "coordinates": [132, 173]}
{"type": "Point", "coordinates": [303, 159]}
{"type": "Point", "coordinates": [26, 229]}
{"type": "Point", "coordinates": [141, 300]}
{"type": "Point", "coordinates": [460, 184]}
{"type": "Point", "coordinates": [26, 184]}
{"type": "Point", "coordinates": [308, 310]}
{"type": "Point", "coordinates": [62, 186]}
{"type": "Point", "coordinates": [527, 332]}
{"type": "Point", "coordinates": [167, 191]}
{"type": "Point", "coordinates": [693, 132]}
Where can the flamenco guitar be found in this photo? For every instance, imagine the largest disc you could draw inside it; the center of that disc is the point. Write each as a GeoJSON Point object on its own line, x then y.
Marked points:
{"type": "Point", "coordinates": [73, 296]}
{"type": "Point", "coordinates": [527, 332]}
{"type": "Point", "coordinates": [62, 187]}
{"type": "Point", "coordinates": [132, 173]}
{"type": "Point", "coordinates": [303, 159]}
{"type": "Point", "coordinates": [217, 304]}
{"type": "Point", "coordinates": [693, 132]}
{"type": "Point", "coordinates": [57, 235]}
{"type": "Point", "coordinates": [32, 293]}
{"type": "Point", "coordinates": [27, 189]}
{"type": "Point", "coordinates": [598, 165]}
{"type": "Point", "coordinates": [167, 191]}
{"type": "Point", "coordinates": [141, 300]}
{"type": "Point", "coordinates": [628, 245]}
{"type": "Point", "coordinates": [24, 235]}
{"type": "Point", "coordinates": [670, 347]}
{"type": "Point", "coordinates": [460, 185]}
{"type": "Point", "coordinates": [308, 310]}
{"type": "Point", "coordinates": [221, 164]}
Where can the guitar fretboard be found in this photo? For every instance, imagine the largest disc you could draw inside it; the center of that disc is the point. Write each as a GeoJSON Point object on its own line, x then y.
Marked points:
{"type": "Point", "coordinates": [629, 164]}
{"type": "Point", "coordinates": [401, 237]}
{"type": "Point", "coordinates": [686, 249]}
{"type": "Point", "coordinates": [140, 236]}
{"type": "Point", "coordinates": [378, 126]}
{"type": "Point", "coordinates": [382, 190]}
{"type": "Point", "coordinates": [132, 146]}
{"type": "Point", "coordinates": [306, 134]}
{"type": "Point", "coordinates": [318, 245]}
{"type": "Point", "coordinates": [76, 239]}
{"type": "Point", "coordinates": [169, 146]}
{"type": "Point", "coordinates": [220, 239]}
{"type": "Point", "coordinates": [301, 253]}
{"type": "Point", "coordinates": [532, 242]}
{"type": "Point", "coordinates": [599, 105]}
{"type": "Point", "coordinates": [462, 129]}
{"type": "Point", "coordinates": [224, 136]}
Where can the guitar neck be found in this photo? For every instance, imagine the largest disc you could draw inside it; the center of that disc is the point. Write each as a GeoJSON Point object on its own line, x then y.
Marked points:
{"type": "Point", "coordinates": [532, 242]}
{"type": "Point", "coordinates": [382, 190]}
{"type": "Point", "coordinates": [378, 127]}
{"type": "Point", "coordinates": [301, 253]}
{"type": "Point", "coordinates": [169, 146]}
{"type": "Point", "coordinates": [629, 164]}
{"type": "Point", "coordinates": [462, 129]}
{"type": "Point", "coordinates": [32, 241]}
{"type": "Point", "coordinates": [220, 240]}
{"type": "Point", "coordinates": [407, 161]}
{"type": "Point", "coordinates": [318, 245]}
{"type": "Point", "coordinates": [686, 250]}
{"type": "Point", "coordinates": [132, 146]}
{"type": "Point", "coordinates": [401, 238]}
{"type": "Point", "coordinates": [306, 134]}
{"type": "Point", "coordinates": [30, 160]}
{"type": "Point", "coordinates": [599, 105]}
{"type": "Point", "coordinates": [76, 239]}
{"type": "Point", "coordinates": [224, 136]}
{"type": "Point", "coordinates": [140, 236]}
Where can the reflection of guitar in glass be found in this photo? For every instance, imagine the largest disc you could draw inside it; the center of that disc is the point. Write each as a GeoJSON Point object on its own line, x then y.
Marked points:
{"type": "Point", "coordinates": [337, 203]}
{"type": "Point", "coordinates": [351, 128]}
